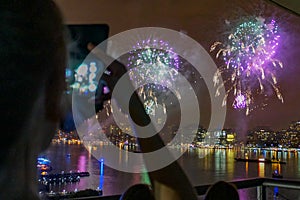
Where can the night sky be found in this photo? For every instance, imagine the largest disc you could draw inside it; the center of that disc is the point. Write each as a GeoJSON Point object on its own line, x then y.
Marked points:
{"type": "Point", "coordinates": [204, 21]}
{"type": "Point", "coordinates": [277, 115]}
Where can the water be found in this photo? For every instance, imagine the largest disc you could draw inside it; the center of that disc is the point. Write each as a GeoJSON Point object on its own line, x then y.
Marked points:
{"type": "Point", "coordinates": [202, 166]}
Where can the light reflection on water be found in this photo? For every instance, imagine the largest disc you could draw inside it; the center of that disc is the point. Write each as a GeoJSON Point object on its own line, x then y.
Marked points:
{"type": "Point", "coordinates": [202, 166]}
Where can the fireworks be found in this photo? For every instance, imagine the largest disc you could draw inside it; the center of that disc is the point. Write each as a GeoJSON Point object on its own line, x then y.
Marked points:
{"type": "Point", "coordinates": [156, 66]}
{"type": "Point", "coordinates": [248, 55]}
{"type": "Point", "coordinates": [240, 101]}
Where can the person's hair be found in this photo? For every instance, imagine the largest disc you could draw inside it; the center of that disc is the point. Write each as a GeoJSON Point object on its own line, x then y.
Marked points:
{"type": "Point", "coordinates": [222, 190]}
{"type": "Point", "coordinates": [32, 56]}
{"type": "Point", "coordinates": [137, 192]}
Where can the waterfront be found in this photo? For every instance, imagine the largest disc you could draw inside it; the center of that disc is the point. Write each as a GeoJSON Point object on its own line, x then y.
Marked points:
{"type": "Point", "coordinates": [203, 166]}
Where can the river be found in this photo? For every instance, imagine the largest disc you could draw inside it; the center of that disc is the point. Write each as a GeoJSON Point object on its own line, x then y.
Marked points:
{"type": "Point", "coordinates": [202, 166]}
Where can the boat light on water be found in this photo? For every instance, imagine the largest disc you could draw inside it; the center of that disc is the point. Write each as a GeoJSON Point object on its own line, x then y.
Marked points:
{"type": "Point", "coordinates": [43, 164]}
{"type": "Point", "coordinates": [43, 161]}
{"type": "Point", "coordinates": [263, 160]}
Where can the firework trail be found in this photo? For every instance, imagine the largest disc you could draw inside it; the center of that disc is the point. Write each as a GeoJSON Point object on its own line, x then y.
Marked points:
{"type": "Point", "coordinates": [249, 59]}
{"type": "Point", "coordinates": [157, 66]}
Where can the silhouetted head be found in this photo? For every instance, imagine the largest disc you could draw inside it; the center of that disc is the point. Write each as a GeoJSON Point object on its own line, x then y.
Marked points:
{"type": "Point", "coordinates": [138, 192]}
{"type": "Point", "coordinates": [32, 56]}
{"type": "Point", "coordinates": [222, 190]}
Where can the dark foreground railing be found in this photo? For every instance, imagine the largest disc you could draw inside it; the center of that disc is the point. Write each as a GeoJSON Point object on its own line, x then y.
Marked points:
{"type": "Point", "coordinates": [261, 184]}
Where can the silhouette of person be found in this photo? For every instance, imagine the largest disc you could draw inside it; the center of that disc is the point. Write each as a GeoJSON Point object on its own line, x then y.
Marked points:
{"type": "Point", "coordinates": [137, 192]}
{"type": "Point", "coordinates": [222, 190]}
{"type": "Point", "coordinates": [32, 80]}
